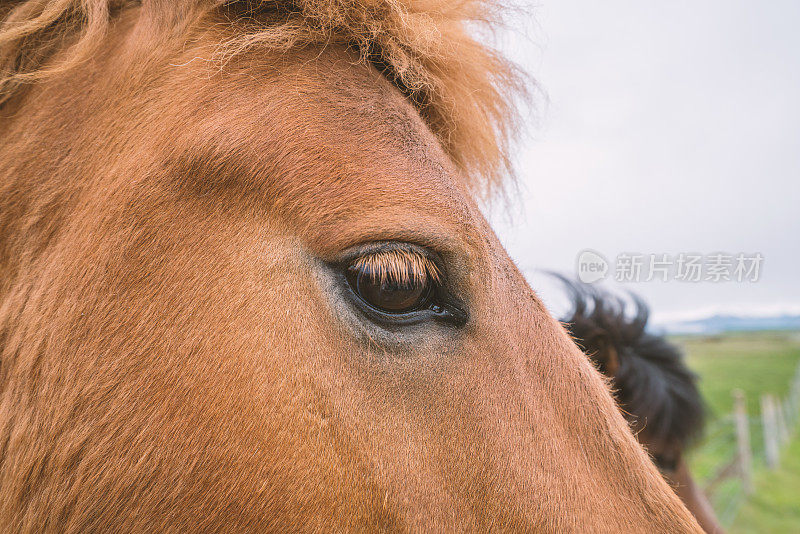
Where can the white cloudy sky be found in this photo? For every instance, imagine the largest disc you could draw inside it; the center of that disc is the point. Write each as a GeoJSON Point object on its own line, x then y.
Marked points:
{"type": "Point", "coordinates": [669, 127]}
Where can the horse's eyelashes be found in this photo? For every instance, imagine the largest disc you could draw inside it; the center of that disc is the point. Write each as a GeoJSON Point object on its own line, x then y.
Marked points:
{"type": "Point", "coordinates": [399, 265]}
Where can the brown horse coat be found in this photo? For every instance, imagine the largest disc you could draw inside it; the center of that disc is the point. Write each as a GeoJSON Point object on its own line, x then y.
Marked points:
{"type": "Point", "coordinates": [178, 350]}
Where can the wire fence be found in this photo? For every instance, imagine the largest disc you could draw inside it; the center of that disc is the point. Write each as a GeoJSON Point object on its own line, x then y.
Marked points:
{"type": "Point", "coordinates": [744, 439]}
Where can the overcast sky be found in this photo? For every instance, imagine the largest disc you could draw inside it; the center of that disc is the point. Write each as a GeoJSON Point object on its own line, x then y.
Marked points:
{"type": "Point", "coordinates": [669, 127]}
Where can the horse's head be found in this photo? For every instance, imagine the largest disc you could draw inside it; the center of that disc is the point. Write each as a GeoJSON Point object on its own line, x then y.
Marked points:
{"type": "Point", "coordinates": [252, 289]}
{"type": "Point", "coordinates": [657, 392]}
{"type": "Point", "coordinates": [655, 388]}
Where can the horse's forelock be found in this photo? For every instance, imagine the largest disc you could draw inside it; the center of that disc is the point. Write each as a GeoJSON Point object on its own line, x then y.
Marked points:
{"type": "Point", "coordinates": [463, 89]}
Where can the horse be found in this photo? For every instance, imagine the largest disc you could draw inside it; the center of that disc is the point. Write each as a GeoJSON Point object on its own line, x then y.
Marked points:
{"type": "Point", "coordinates": [656, 391]}
{"type": "Point", "coordinates": [246, 285]}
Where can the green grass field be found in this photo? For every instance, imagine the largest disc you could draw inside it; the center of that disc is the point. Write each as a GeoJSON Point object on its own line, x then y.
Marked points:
{"type": "Point", "coordinates": [775, 506]}
{"type": "Point", "coordinates": [756, 363]}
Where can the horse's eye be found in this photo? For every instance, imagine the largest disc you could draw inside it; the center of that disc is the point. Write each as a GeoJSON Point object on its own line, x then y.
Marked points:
{"type": "Point", "coordinates": [666, 463]}
{"type": "Point", "coordinates": [386, 294]}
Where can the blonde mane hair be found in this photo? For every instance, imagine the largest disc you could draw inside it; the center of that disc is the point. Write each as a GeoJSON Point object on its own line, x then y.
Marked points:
{"type": "Point", "coordinates": [463, 88]}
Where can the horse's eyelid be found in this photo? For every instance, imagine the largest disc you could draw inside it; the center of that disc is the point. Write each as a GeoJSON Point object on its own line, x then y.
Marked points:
{"type": "Point", "coordinates": [399, 265]}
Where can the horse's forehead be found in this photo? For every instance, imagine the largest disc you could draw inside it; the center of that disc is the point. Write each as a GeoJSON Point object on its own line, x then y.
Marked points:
{"type": "Point", "coordinates": [332, 144]}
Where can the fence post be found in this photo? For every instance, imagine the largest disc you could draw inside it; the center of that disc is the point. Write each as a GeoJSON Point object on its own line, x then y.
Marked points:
{"type": "Point", "coordinates": [788, 417]}
{"type": "Point", "coordinates": [743, 457]}
{"type": "Point", "coordinates": [769, 426]}
{"type": "Point", "coordinates": [794, 401]}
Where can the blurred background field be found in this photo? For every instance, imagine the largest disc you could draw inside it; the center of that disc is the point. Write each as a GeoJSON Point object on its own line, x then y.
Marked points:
{"type": "Point", "coordinates": [757, 363]}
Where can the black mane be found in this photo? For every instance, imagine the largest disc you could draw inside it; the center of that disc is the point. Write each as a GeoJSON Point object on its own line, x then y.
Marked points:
{"type": "Point", "coordinates": [652, 382]}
